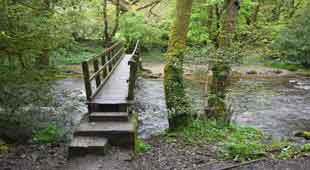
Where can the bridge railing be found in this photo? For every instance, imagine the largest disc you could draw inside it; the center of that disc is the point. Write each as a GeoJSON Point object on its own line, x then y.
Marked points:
{"type": "Point", "coordinates": [134, 66]}
{"type": "Point", "coordinates": [99, 68]}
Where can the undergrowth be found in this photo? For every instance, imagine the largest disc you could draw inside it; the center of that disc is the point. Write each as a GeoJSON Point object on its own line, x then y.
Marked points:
{"type": "Point", "coordinates": [154, 55]}
{"type": "Point", "coordinates": [236, 142]}
{"type": "Point", "coordinates": [75, 53]}
{"type": "Point", "coordinates": [48, 135]}
{"type": "Point", "coordinates": [141, 146]}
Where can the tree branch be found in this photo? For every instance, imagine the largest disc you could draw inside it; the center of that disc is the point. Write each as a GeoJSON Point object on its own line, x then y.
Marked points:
{"type": "Point", "coordinates": [154, 3]}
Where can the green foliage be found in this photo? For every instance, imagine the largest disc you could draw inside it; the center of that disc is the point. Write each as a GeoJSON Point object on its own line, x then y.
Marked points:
{"type": "Point", "coordinates": [198, 34]}
{"type": "Point", "coordinates": [4, 148]}
{"type": "Point", "coordinates": [287, 152]}
{"type": "Point", "coordinates": [156, 55]}
{"type": "Point", "coordinates": [294, 42]}
{"type": "Point", "coordinates": [283, 64]}
{"type": "Point", "coordinates": [306, 148]}
{"type": "Point", "coordinates": [23, 93]}
{"type": "Point", "coordinates": [201, 131]}
{"type": "Point", "coordinates": [48, 135]}
{"type": "Point", "coordinates": [244, 144]}
{"type": "Point", "coordinates": [239, 143]}
{"type": "Point", "coordinates": [236, 142]}
{"type": "Point", "coordinates": [134, 26]}
{"type": "Point", "coordinates": [142, 147]}
{"type": "Point", "coordinates": [28, 30]}
{"type": "Point", "coordinates": [75, 53]}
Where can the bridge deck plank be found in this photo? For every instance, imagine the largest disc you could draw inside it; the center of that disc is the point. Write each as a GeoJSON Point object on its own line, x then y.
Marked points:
{"type": "Point", "coordinates": [115, 90]}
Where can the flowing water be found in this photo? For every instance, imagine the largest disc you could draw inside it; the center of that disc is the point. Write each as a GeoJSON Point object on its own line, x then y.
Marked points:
{"type": "Point", "coordinates": [280, 106]}
{"type": "Point", "coordinates": [151, 107]}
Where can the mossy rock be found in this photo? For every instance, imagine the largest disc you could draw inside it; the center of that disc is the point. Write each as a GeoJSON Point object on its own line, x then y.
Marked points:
{"type": "Point", "coordinates": [305, 134]}
{"type": "Point", "coordinates": [4, 148]}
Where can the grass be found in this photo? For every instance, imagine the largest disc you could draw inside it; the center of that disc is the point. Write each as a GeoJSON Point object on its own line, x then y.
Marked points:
{"type": "Point", "coordinates": [282, 65]}
{"type": "Point", "coordinates": [236, 142]}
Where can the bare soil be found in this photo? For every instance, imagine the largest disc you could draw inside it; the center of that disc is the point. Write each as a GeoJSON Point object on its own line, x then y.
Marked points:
{"type": "Point", "coordinates": [34, 157]}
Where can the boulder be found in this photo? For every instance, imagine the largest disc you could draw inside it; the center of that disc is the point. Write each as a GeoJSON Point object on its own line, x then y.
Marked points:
{"type": "Point", "coordinates": [153, 75]}
{"type": "Point", "coordinates": [251, 72]}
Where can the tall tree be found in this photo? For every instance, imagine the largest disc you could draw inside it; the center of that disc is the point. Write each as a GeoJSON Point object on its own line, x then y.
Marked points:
{"type": "Point", "coordinates": [108, 35]}
{"type": "Point", "coordinates": [173, 79]}
{"type": "Point", "coordinates": [220, 67]}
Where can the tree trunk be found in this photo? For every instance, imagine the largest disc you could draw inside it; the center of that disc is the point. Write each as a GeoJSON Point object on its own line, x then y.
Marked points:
{"type": "Point", "coordinates": [255, 14]}
{"type": "Point", "coordinates": [210, 21]}
{"type": "Point", "coordinates": [216, 107]}
{"type": "Point", "coordinates": [218, 23]}
{"type": "Point", "coordinates": [108, 35]}
{"type": "Point", "coordinates": [43, 59]}
{"type": "Point", "coordinates": [228, 25]}
{"type": "Point", "coordinates": [178, 107]}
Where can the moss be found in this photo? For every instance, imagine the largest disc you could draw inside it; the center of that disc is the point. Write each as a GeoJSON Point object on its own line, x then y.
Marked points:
{"type": "Point", "coordinates": [136, 142]}
{"type": "Point", "coordinates": [217, 91]}
{"type": "Point", "coordinates": [4, 148]}
{"type": "Point", "coordinates": [173, 80]}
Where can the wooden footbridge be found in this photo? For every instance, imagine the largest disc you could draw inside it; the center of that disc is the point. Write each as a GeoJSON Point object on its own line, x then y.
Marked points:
{"type": "Point", "coordinates": [109, 84]}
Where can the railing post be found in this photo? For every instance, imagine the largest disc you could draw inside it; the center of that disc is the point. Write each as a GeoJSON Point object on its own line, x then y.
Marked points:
{"type": "Point", "coordinates": [105, 71]}
{"type": "Point", "coordinates": [138, 59]}
{"type": "Point", "coordinates": [87, 83]}
{"type": "Point", "coordinates": [111, 53]}
{"type": "Point", "coordinates": [96, 68]}
{"type": "Point", "coordinates": [132, 79]}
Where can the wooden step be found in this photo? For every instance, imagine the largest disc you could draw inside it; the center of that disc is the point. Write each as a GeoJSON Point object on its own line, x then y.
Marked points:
{"type": "Point", "coordinates": [117, 132]}
{"type": "Point", "coordinates": [100, 107]}
{"type": "Point", "coordinates": [82, 145]}
{"type": "Point", "coordinates": [108, 116]}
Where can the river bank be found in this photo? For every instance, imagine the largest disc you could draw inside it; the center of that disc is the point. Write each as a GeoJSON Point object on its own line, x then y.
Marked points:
{"type": "Point", "coordinates": [277, 105]}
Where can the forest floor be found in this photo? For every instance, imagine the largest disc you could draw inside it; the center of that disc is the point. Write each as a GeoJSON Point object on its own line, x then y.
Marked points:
{"type": "Point", "coordinates": [163, 155]}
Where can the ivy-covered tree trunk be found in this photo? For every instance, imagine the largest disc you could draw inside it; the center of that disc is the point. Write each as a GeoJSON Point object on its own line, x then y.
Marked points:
{"type": "Point", "coordinates": [177, 105]}
{"type": "Point", "coordinates": [255, 13]}
{"type": "Point", "coordinates": [220, 67]}
{"type": "Point", "coordinates": [4, 28]}
{"type": "Point", "coordinates": [228, 24]}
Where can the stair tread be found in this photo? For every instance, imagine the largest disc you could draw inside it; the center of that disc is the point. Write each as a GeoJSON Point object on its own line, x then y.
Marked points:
{"type": "Point", "coordinates": [109, 114]}
{"type": "Point", "coordinates": [87, 141]}
{"type": "Point", "coordinates": [107, 126]}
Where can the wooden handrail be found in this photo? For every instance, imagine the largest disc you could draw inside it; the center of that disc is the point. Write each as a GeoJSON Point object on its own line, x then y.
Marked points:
{"type": "Point", "coordinates": [136, 48]}
{"type": "Point", "coordinates": [104, 52]}
{"type": "Point", "coordinates": [102, 68]}
{"type": "Point", "coordinates": [106, 64]}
